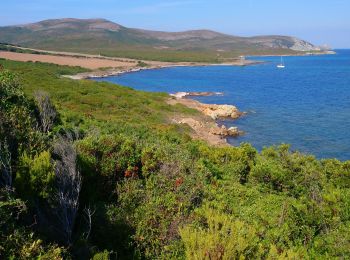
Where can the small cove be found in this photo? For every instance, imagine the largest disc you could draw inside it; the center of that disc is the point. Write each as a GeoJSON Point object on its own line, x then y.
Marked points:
{"type": "Point", "coordinates": [307, 104]}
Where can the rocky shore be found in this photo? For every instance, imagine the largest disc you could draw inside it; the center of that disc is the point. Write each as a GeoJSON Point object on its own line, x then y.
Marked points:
{"type": "Point", "coordinates": [150, 65]}
{"type": "Point", "coordinates": [205, 127]}
{"type": "Point", "coordinates": [220, 111]}
{"type": "Point", "coordinates": [212, 110]}
{"type": "Point", "coordinates": [195, 94]}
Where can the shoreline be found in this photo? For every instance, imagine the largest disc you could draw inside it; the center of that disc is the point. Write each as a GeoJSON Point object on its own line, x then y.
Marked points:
{"type": "Point", "coordinates": [153, 65]}
{"type": "Point", "coordinates": [329, 52]}
{"type": "Point", "coordinates": [204, 127]}
{"type": "Point", "coordinates": [120, 71]}
{"type": "Point", "coordinates": [103, 66]}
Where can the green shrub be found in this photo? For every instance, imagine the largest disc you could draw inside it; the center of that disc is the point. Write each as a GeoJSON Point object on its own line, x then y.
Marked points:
{"type": "Point", "coordinates": [154, 192]}
{"type": "Point", "coordinates": [105, 255]}
{"type": "Point", "coordinates": [220, 237]}
{"type": "Point", "coordinates": [16, 240]}
{"type": "Point", "coordinates": [35, 176]}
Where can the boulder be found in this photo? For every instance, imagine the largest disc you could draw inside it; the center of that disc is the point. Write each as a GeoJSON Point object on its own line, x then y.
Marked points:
{"type": "Point", "coordinates": [221, 111]}
{"type": "Point", "coordinates": [224, 131]}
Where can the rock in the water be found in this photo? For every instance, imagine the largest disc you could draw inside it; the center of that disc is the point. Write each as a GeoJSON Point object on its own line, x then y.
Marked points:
{"type": "Point", "coordinates": [233, 131]}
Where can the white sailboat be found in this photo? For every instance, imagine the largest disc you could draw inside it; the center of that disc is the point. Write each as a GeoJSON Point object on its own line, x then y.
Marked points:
{"type": "Point", "coordinates": [281, 65]}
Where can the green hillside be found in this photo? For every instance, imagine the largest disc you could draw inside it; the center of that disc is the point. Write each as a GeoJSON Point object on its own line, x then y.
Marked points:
{"type": "Point", "coordinates": [96, 171]}
{"type": "Point", "coordinates": [99, 36]}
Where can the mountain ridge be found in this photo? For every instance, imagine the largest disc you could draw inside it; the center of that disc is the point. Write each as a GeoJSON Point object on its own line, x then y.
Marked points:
{"type": "Point", "coordinates": [99, 35]}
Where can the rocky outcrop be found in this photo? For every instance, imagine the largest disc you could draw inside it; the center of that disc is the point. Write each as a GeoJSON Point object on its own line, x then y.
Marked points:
{"type": "Point", "coordinates": [220, 111]}
{"type": "Point", "coordinates": [206, 128]}
{"type": "Point", "coordinates": [196, 94]}
{"type": "Point", "coordinates": [203, 129]}
{"type": "Point", "coordinates": [225, 132]}
{"type": "Point", "coordinates": [212, 110]}
{"type": "Point", "coordinates": [300, 45]}
{"type": "Point", "coordinates": [283, 42]}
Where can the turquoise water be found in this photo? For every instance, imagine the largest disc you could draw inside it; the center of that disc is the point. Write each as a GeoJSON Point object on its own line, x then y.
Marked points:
{"type": "Point", "coordinates": [307, 104]}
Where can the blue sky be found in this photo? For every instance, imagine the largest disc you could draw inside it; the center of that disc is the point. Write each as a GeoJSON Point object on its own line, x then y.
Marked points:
{"type": "Point", "coordinates": [318, 21]}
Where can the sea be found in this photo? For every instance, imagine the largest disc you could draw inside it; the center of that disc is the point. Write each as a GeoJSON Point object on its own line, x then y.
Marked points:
{"type": "Point", "coordinates": [306, 104]}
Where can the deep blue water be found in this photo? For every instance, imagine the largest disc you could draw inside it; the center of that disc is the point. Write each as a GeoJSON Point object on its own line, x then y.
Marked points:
{"type": "Point", "coordinates": [307, 104]}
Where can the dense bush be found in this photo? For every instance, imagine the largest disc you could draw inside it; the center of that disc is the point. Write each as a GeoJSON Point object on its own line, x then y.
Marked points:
{"type": "Point", "coordinates": [117, 181]}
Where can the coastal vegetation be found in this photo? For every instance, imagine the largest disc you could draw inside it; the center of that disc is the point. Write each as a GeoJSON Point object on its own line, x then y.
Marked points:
{"type": "Point", "coordinates": [150, 54]}
{"type": "Point", "coordinates": [93, 170]}
{"type": "Point", "coordinates": [204, 56]}
{"type": "Point", "coordinates": [14, 48]}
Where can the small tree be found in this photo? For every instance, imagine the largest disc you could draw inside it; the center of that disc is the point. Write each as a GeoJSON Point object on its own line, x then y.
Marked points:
{"type": "Point", "coordinates": [10, 88]}
{"type": "Point", "coordinates": [88, 214]}
{"type": "Point", "coordinates": [47, 111]}
{"type": "Point", "coordinates": [68, 186]}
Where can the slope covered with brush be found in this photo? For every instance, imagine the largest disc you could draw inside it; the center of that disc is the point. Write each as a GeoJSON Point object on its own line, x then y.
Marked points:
{"type": "Point", "coordinates": [101, 36]}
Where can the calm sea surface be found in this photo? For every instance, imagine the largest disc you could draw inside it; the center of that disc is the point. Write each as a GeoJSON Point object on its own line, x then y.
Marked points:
{"type": "Point", "coordinates": [307, 104]}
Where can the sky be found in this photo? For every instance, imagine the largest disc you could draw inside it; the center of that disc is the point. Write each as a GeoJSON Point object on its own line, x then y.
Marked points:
{"type": "Point", "coordinates": [318, 21]}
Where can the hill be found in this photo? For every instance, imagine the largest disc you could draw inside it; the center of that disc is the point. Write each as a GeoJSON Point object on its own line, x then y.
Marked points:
{"type": "Point", "coordinates": [93, 170]}
{"type": "Point", "coordinates": [100, 36]}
